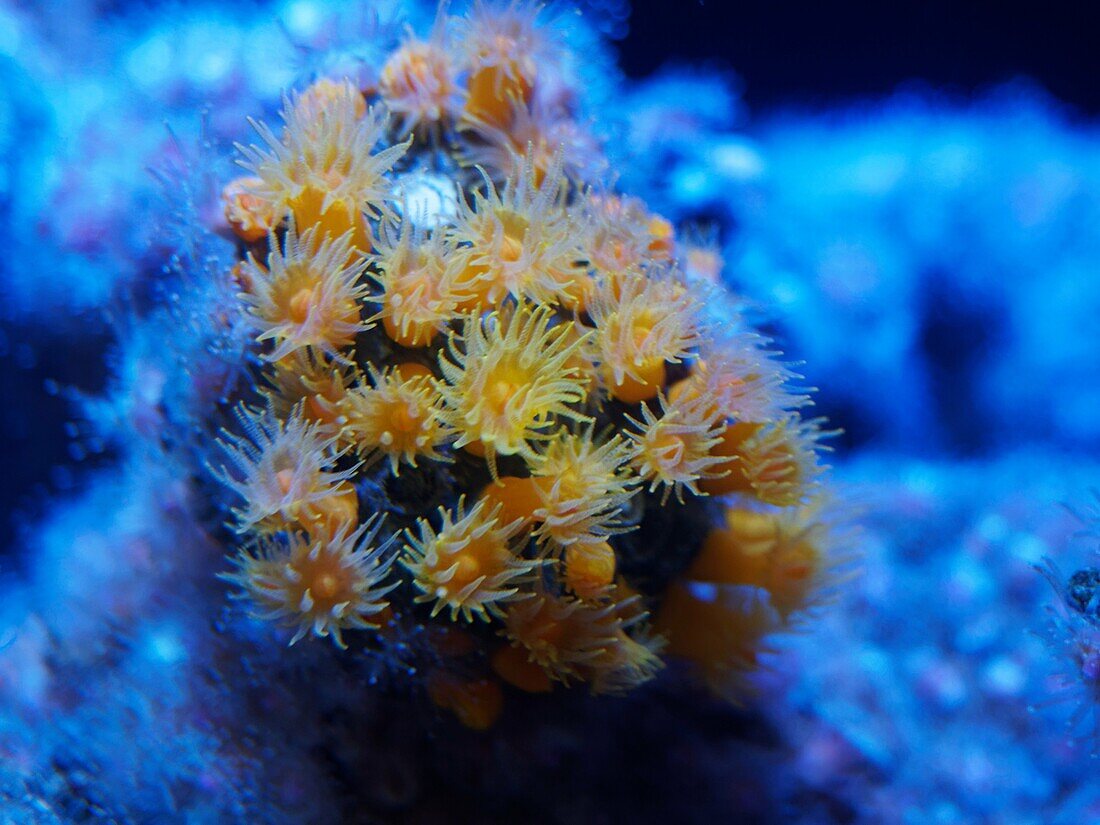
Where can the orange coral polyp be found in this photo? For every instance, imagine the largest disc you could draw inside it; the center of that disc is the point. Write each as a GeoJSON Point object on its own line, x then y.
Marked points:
{"type": "Point", "coordinates": [493, 91]}
{"type": "Point", "coordinates": [249, 215]}
{"type": "Point", "coordinates": [740, 379]}
{"type": "Point", "coordinates": [472, 283]}
{"type": "Point", "coordinates": [733, 479]}
{"type": "Point", "coordinates": [418, 295]}
{"type": "Point", "coordinates": [477, 703]}
{"type": "Point", "coordinates": [717, 627]}
{"type": "Point", "coordinates": [321, 584]}
{"type": "Point", "coordinates": [643, 382]}
{"type": "Point", "coordinates": [537, 134]}
{"type": "Point", "coordinates": [582, 488]}
{"type": "Point", "coordinates": [507, 381]}
{"type": "Point", "coordinates": [323, 170]}
{"type": "Point", "coordinates": [767, 550]}
{"type": "Point", "coordinates": [616, 235]}
{"type": "Point", "coordinates": [642, 323]}
{"type": "Point", "coordinates": [282, 470]}
{"type": "Point", "coordinates": [774, 463]}
{"type": "Point", "coordinates": [334, 512]}
{"type": "Point", "coordinates": [323, 95]}
{"type": "Point", "coordinates": [398, 418]}
{"type": "Point", "coordinates": [561, 635]}
{"type": "Point", "coordinates": [674, 450]}
{"type": "Point", "coordinates": [626, 663]}
{"type": "Point", "coordinates": [502, 44]}
{"type": "Point", "coordinates": [662, 238]}
{"type": "Point", "coordinates": [518, 498]}
{"type": "Point", "coordinates": [521, 240]}
{"type": "Point", "coordinates": [468, 566]}
{"type": "Point", "coordinates": [311, 207]}
{"type": "Point", "coordinates": [418, 85]}
{"type": "Point", "coordinates": [589, 569]}
{"type": "Point", "coordinates": [307, 378]}
{"type": "Point", "coordinates": [309, 294]}
{"type": "Point", "coordinates": [512, 665]}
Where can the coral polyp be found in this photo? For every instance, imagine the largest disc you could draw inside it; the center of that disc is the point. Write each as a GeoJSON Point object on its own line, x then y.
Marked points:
{"type": "Point", "coordinates": [320, 585]}
{"type": "Point", "coordinates": [396, 417]}
{"type": "Point", "coordinates": [563, 636]}
{"type": "Point", "coordinates": [582, 488]}
{"type": "Point", "coordinates": [643, 325]}
{"type": "Point", "coordinates": [677, 449]}
{"type": "Point", "coordinates": [418, 83]}
{"type": "Point", "coordinates": [521, 241]}
{"type": "Point", "coordinates": [502, 51]}
{"type": "Point", "coordinates": [470, 565]}
{"type": "Point", "coordinates": [457, 322]}
{"type": "Point", "coordinates": [589, 568]}
{"type": "Point", "coordinates": [324, 169]}
{"type": "Point", "coordinates": [308, 295]}
{"type": "Point", "coordinates": [508, 379]}
{"type": "Point", "coordinates": [283, 470]}
{"type": "Point", "coordinates": [776, 463]}
{"type": "Point", "coordinates": [420, 291]}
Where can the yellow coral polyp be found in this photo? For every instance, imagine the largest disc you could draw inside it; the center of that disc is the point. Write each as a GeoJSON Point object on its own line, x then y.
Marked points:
{"type": "Point", "coordinates": [418, 84]}
{"type": "Point", "coordinates": [781, 553]}
{"type": "Point", "coordinates": [589, 569]}
{"type": "Point", "coordinates": [418, 295]}
{"type": "Point", "coordinates": [562, 635]}
{"type": "Point", "coordinates": [323, 170]}
{"type": "Point", "coordinates": [320, 585]}
{"type": "Point", "coordinates": [719, 628]}
{"type": "Point", "coordinates": [582, 487]}
{"type": "Point", "coordinates": [501, 47]}
{"type": "Point", "coordinates": [775, 463]}
{"type": "Point", "coordinates": [521, 241]}
{"type": "Point", "coordinates": [308, 294]}
{"type": "Point", "coordinates": [282, 470]}
{"type": "Point", "coordinates": [674, 450]}
{"type": "Point", "coordinates": [508, 381]}
{"type": "Point", "coordinates": [642, 324]}
{"type": "Point", "coordinates": [468, 565]}
{"type": "Point", "coordinates": [308, 379]}
{"type": "Point", "coordinates": [476, 703]}
{"type": "Point", "coordinates": [397, 417]}
{"type": "Point", "coordinates": [249, 215]}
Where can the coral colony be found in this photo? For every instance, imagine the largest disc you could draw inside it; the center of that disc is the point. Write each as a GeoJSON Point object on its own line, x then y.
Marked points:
{"type": "Point", "coordinates": [484, 397]}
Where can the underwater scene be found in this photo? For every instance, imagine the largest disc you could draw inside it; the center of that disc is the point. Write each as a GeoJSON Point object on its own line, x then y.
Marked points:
{"type": "Point", "coordinates": [506, 411]}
